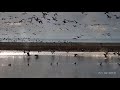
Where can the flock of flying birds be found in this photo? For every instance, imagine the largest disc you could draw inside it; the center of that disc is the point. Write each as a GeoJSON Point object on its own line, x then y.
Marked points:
{"type": "Point", "coordinates": [18, 27]}
{"type": "Point", "coordinates": [25, 26]}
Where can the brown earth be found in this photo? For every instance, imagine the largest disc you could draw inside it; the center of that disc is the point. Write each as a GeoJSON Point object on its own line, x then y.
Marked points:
{"type": "Point", "coordinates": [31, 46]}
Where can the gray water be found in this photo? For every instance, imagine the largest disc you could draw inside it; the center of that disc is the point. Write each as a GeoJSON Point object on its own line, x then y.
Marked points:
{"type": "Point", "coordinates": [51, 66]}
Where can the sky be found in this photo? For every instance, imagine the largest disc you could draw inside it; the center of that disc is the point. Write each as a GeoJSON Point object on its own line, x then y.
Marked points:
{"type": "Point", "coordinates": [60, 26]}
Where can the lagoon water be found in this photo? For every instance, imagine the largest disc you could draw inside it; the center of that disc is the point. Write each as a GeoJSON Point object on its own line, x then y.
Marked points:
{"type": "Point", "coordinates": [58, 66]}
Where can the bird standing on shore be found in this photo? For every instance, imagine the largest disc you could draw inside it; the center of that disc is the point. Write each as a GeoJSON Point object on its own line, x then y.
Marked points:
{"type": "Point", "coordinates": [118, 54]}
{"type": "Point", "coordinates": [106, 54]}
{"type": "Point", "coordinates": [114, 53]}
{"type": "Point", "coordinates": [75, 55]}
{"type": "Point", "coordinates": [24, 51]}
{"type": "Point", "coordinates": [28, 53]}
{"type": "Point", "coordinates": [36, 56]}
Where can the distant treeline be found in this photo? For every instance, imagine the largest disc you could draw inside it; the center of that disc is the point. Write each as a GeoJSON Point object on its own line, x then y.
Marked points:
{"type": "Point", "coordinates": [62, 46]}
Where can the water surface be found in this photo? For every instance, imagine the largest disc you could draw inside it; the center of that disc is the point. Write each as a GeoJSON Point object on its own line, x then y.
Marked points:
{"type": "Point", "coordinates": [58, 66]}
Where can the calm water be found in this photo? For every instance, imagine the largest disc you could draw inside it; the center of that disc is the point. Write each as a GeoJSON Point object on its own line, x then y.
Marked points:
{"type": "Point", "coordinates": [51, 66]}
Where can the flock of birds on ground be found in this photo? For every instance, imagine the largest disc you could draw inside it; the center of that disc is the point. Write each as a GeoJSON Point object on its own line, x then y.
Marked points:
{"type": "Point", "coordinates": [26, 26]}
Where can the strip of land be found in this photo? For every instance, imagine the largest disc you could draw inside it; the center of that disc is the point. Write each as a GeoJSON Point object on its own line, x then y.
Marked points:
{"type": "Point", "coordinates": [63, 46]}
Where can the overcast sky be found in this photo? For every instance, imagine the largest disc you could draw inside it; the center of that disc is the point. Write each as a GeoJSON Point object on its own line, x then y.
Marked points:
{"type": "Point", "coordinates": [72, 26]}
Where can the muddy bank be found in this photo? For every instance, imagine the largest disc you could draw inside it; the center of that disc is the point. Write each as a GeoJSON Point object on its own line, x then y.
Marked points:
{"type": "Point", "coordinates": [42, 46]}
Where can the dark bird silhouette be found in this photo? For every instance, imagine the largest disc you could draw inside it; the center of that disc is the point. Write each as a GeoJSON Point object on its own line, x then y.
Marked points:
{"type": "Point", "coordinates": [106, 12]}
{"type": "Point", "coordinates": [3, 18]}
{"type": "Point", "coordinates": [60, 28]}
{"type": "Point", "coordinates": [74, 26]}
{"type": "Point", "coordinates": [75, 55]}
{"type": "Point", "coordinates": [82, 12]}
{"type": "Point", "coordinates": [52, 52]}
{"type": "Point", "coordinates": [118, 64]}
{"type": "Point", "coordinates": [106, 54]}
{"type": "Point", "coordinates": [21, 20]}
{"type": "Point", "coordinates": [44, 14]}
{"type": "Point", "coordinates": [118, 53]}
{"type": "Point", "coordinates": [75, 63]}
{"type": "Point", "coordinates": [24, 13]}
{"type": "Point", "coordinates": [78, 36]}
{"type": "Point", "coordinates": [9, 64]}
{"type": "Point", "coordinates": [64, 21]}
{"type": "Point", "coordinates": [28, 60]}
{"type": "Point", "coordinates": [54, 18]}
{"type": "Point", "coordinates": [28, 53]}
{"type": "Point", "coordinates": [36, 56]}
{"type": "Point", "coordinates": [55, 14]}
{"type": "Point", "coordinates": [75, 38]}
{"type": "Point", "coordinates": [108, 34]}
{"type": "Point", "coordinates": [34, 33]}
{"type": "Point", "coordinates": [75, 21]}
{"type": "Point", "coordinates": [67, 29]}
{"type": "Point", "coordinates": [39, 20]}
{"type": "Point", "coordinates": [114, 53]}
{"type": "Point", "coordinates": [116, 17]}
{"type": "Point", "coordinates": [101, 64]}
{"type": "Point", "coordinates": [48, 19]}
{"type": "Point", "coordinates": [109, 16]}
{"type": "Point", "coordinates": [57, 63]}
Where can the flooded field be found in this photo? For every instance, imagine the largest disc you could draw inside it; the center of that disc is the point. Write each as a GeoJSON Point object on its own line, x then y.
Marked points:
{"type": "Point", "coordinates": [58, 66]}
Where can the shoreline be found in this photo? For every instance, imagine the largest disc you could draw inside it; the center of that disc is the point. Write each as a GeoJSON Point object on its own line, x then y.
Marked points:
{"type": "Point", "coordinates": [57, 53]}
{"type": "Point", "coordinates": [64, 46]}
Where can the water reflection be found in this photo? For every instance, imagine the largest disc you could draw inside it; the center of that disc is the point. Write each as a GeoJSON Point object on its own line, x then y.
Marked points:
{"type": "Point", "coordinates": [28, 60]}
{"type": "Point", "coordinates": [106, 60]}
{"type": "Point", "coordinates": [58, 66]}
{"type": "Point", "coordinates": [36, 57]}
{"type": "Point", "coordinates": [9, 65]}
{"type": "Point", "coordinates": [52, 60]}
